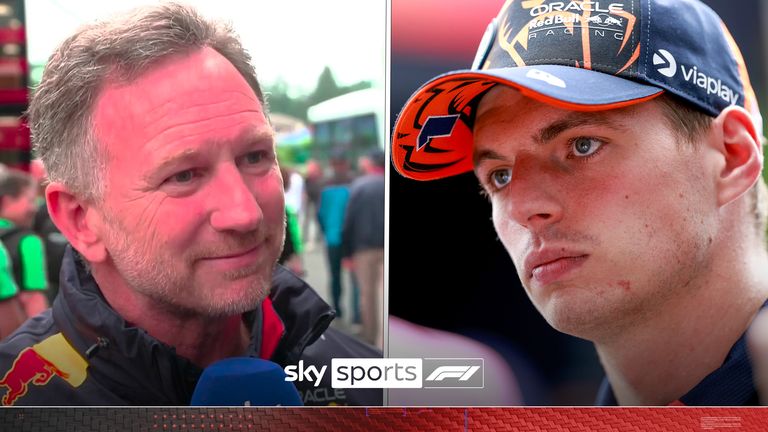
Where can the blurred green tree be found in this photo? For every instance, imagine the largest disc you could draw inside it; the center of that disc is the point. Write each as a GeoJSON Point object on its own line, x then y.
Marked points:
{"type": "Point", "coordinates": [280, 100]}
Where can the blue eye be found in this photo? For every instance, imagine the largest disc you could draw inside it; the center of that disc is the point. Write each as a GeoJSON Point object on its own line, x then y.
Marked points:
{"type": "Point", "coordinates": [585, 146]}
{"type": "Point", "coordinates": [254, 157]}
{"type": "Point", "coordinates": [500, 178]}
{"type": "Point", "coordinates": [183, 176]}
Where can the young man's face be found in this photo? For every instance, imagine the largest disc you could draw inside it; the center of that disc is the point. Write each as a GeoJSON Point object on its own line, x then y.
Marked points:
{"type": "Point", "coordinates": [20, 209]}
{"type": "Point", "coordinates": [607, 215]}
{"type": "Point", "coordinates": [193, 209]}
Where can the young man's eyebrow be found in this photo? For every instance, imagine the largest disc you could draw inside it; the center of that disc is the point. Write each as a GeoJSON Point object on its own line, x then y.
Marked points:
{"type": "Point", "coordinates": [572, 120]}
{"type": "Point", "coordinates": [555, 128]}
{"type": "Point", "coordinates": [485, 154]}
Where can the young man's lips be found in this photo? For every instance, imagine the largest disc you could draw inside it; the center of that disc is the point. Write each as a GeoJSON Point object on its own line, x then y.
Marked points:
{"type": "Point", "coordinates": [547, 267]}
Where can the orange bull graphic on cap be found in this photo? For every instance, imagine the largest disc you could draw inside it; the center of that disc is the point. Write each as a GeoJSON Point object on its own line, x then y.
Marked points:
{"type": "Point", "coordinates": [434, 146]}
{"type": "Point", "coordinates": [39, 363]}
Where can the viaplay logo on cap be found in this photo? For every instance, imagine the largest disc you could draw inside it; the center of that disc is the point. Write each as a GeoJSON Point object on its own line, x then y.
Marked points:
{"type": "Point", "coordinates": [665, 62]}
{"type": "Point", "coordinates": [667, 65]}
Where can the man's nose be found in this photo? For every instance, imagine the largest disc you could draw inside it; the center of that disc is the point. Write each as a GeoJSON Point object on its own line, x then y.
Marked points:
{"type": "Point", "coordinates": [533, 198]}
{"type": "Point", "coordinates": [235, 205]}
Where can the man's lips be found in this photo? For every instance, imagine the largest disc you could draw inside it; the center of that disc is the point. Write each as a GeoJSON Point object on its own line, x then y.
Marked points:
{"type": "Point", "coordinates": [234, 255]}
{"type": "Point", "coordinates": [236, 260]}
{"type": "Point", "coordinates": [549, 265]}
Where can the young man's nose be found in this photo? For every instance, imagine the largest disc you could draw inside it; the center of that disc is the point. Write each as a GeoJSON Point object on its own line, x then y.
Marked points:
{"type": "Point", "coordinates": [531, 199]}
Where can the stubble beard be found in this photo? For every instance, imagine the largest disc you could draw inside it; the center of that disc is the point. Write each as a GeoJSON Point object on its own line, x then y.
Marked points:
{"type": "Point", "coordinates": [151, 272]}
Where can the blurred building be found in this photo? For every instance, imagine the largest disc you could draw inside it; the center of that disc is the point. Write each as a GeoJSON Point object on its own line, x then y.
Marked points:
{"type": "Point", "coordinates": [14, 81]}
{"type": "Point", "coordinates": [352, 122]}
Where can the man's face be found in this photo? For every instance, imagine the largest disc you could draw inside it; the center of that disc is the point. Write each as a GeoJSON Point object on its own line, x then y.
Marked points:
{"type": "Point", "coordinates": [193, 207]}
{"type": "Point", "coordinates": [606, 215]}
{"type": "Point", "coordinates": [20, 209]}
{"type": "Point", "coordinates": [365, 165]}
{"type": "Point", "coordinates": [340, 166]}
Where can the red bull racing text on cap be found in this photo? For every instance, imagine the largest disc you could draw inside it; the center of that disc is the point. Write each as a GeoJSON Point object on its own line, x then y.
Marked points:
{"type": "Point", "coordinates": [577, 55]}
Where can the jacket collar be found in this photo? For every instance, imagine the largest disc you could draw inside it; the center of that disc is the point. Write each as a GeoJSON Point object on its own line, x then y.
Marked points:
{"type": "Point", "coordinates": [304, 314]}
{"type": "Point", "coordinates": [144, 371]}
{"type": "Point", "coordinates": [731, 384]}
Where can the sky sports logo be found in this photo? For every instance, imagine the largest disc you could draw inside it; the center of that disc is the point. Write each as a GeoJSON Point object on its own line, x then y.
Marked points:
{"type": "Point", "coordinates": [393, 373]}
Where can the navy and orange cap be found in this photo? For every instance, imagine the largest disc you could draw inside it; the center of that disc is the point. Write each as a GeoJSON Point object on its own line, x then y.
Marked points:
{"type": "Point", "coordinates": [577, 55]}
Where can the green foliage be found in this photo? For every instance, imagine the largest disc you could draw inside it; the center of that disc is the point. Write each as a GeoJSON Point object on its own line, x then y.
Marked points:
{"type": "Point", "coordinates": [326, 88]}
{"type": "Point", "coordinates": [279, 101]}
{"type": "Point", "coordinates": [294, 155]}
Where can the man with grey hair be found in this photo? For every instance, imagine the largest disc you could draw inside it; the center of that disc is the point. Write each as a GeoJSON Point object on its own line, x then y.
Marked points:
{"type": "Point", "coordinates": [163, 178]}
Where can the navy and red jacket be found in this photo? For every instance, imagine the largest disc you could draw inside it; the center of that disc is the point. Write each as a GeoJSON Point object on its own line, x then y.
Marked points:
{"type": "Point", "coordinates": [729, 385]}
{"type": "Point", "coordinates": [81, 352]}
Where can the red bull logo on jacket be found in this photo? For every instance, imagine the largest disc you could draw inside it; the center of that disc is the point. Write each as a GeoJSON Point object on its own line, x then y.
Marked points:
{"type": "Point", "coordinates": [38, 364]}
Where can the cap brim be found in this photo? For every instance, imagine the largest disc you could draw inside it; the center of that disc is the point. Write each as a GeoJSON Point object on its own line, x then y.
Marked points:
{"type": "Point", "coordinates": [432, 138]}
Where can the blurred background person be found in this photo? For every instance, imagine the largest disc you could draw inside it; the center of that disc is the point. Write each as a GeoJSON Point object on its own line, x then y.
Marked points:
{"type": "Point", "coordinates": [330, 215]}
{"type": "Point", "coordinates": [12, 313]}
{"type": "Point", "coordinates": [292, 245]}
{"type": "Point", "coordinates": [294, 197]}
{"type": "Point", "coordinates": [18, 205]}
{"type": "Point", "coordinates": [313, 183]}
{"type": "Point", "coordinates": [363, 242]}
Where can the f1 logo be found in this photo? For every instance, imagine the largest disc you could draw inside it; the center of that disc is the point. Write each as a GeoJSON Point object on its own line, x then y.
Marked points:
{"type": "Point", "coordinates": [463, 373]}
{"type": "Point", "coordinates": [436, 127]}
{"type": "Point", "coordinates": [453, 373]}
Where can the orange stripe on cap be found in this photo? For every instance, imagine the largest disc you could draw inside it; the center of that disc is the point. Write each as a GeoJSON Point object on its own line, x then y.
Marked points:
{"type": "Point", "coordinates": [749, 93]}
{"type": "Point", "coordinates": [750, 101]}
{"type": "Point", "coordinates": [579, 107]}
{"type": "Point", "coordinates": [631, 60]}
{"type": "Point", "coordinates": [630, 27]}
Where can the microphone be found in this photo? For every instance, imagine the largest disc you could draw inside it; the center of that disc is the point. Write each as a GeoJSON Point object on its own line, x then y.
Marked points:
{"type": "Point", "coordinates": [244, 381]}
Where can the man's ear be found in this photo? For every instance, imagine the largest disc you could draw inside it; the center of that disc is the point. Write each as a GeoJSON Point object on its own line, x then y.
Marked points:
{"type": "Point", "coordinates": [77, 220]}
{"type": "Point", "coordinates": [742, 156]}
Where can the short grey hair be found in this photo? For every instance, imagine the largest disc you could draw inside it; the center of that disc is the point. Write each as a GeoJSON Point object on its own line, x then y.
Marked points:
{"type": "Point", "coordinates": [118, 49]}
